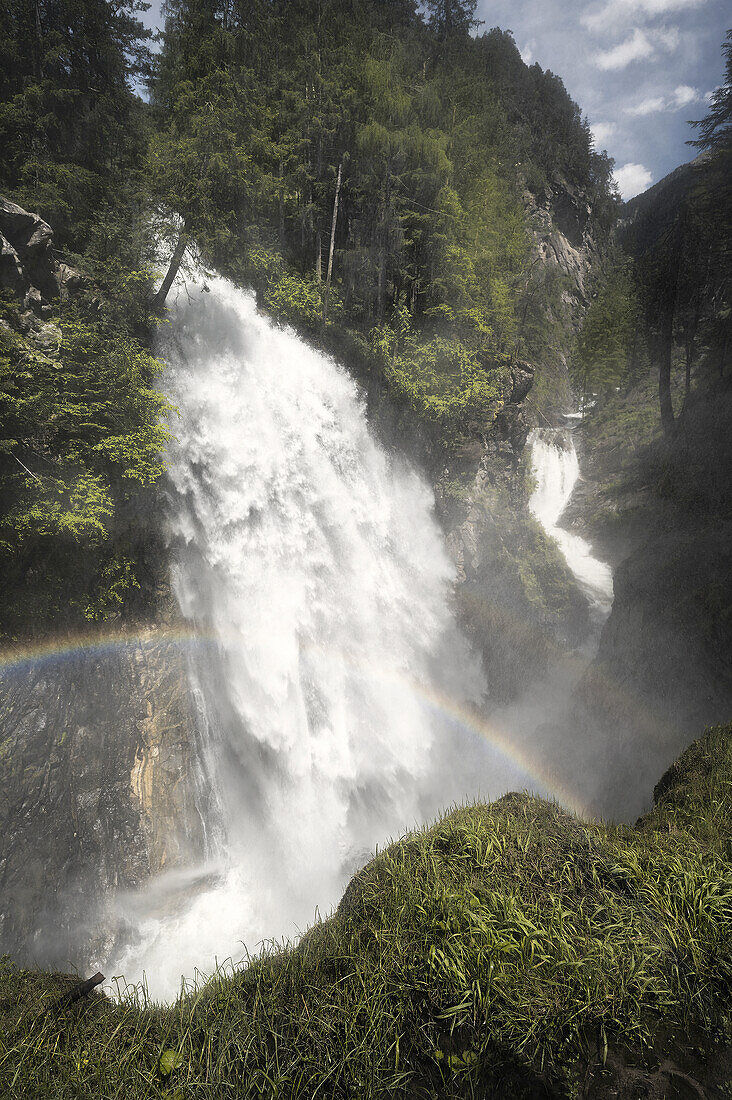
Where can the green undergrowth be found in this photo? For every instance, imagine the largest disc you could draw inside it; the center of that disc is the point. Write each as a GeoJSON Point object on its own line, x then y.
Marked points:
{"type": "Point", "coordinates": [81, 450]}
{"type": "Point", "coordinates": [506, 951]}
{"type": "Point", "coordinates": [445, 376]}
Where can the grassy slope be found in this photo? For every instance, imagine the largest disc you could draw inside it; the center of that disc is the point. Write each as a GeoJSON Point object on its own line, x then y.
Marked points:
{"type": "Point", "coordinates": [510, 950]}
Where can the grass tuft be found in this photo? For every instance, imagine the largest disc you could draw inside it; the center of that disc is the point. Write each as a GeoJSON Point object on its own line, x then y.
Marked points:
{"type": "Point", "coordinates": [511, 950]}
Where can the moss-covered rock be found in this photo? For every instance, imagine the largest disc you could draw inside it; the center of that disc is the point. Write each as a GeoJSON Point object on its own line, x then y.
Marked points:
{"type": "Point", "coordinates": [511, 950]}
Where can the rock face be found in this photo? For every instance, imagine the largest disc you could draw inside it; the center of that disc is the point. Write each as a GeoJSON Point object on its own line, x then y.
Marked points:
{"type": "Point", "coordinates": [661, 511]}
{"type": "Point", "coordinates": [30, 273]}
{"type": "Point", "coordinates": [98, 758]}
{"type": "Point", "coordinates": [27, 264]}
{"type": "Point", "coordinates": [561, 220]}
{"type": "Point", "coordinates": [516, 595]}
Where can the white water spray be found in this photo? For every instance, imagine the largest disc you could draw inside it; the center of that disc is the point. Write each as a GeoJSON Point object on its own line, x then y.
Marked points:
{"type": "Point", "coordinates": [315, 562]}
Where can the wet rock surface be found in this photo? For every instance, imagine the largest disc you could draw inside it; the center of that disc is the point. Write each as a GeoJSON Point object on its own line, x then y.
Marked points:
{"type": "Point", "coordinates": [97, 794]}
{"type": "Point", "coordinates": [516, 595]}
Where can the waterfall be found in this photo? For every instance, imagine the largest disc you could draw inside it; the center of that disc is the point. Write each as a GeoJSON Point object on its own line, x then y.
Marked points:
{"type": "Point", "coordinates": [334, 688]}
{"type": "Point", "coordinates": [311, 565]}
{"type": "Point", "coordinates": [556, 470]}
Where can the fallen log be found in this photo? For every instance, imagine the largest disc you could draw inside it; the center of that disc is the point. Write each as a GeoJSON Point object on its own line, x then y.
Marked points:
{"type": "Point", "coordinates": [75, 993]}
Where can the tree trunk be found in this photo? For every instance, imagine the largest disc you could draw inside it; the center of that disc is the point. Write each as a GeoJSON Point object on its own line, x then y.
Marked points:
{"type": "Point", "coordinates": [665, 346]}
{"type": "Point", "coordinates": [318, 258]}
{"type": "Point", "coordinates": [39, 41]}
{"type": "Point", "coordinates": [175, 261]}
{"type": "Point", "coordinates": [281, 209]}
{"type": "Point", "coordinates": [332, 243]}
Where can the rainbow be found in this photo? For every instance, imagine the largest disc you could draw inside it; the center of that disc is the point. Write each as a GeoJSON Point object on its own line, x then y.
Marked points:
{"type": "Point", "coordinates": [472, 722]}
{"type": "Point", "coordinates": [18, 660]}
{"type": "Point", "coordinates": [22, 658]}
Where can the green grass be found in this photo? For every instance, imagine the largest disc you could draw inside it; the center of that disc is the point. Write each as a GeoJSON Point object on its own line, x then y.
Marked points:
{"type": "Point", "coordinates": [507, 951]}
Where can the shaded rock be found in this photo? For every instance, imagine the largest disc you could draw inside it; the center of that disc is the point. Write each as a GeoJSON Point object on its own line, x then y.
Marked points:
{"type": "Point", "coordinates": [27, 264]}
{"type": "Point", "coordinates": [69, 280]}
{"type": "Point", "coordinates": [97, 762]}
{"type": "Point", "coordinates": [47, 337]}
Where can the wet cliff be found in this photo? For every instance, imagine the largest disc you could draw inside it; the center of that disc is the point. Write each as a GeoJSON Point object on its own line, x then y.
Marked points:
{"type": "Point", "coordinates": [517, 597]}
{"type": "Point", "coordinates": [661, 511]}
{"type": "Point", "coordinates": [658, 501]}
{"type": "Point", "coordinates": [98, 750]}
{"type": "Point", "coordinates": [98, 755]}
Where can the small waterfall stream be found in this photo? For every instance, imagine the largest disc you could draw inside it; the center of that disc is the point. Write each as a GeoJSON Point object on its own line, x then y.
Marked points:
{"type": "Point", "coordinates": [556, 469]}
{"type": "Point", "coordinates": [541, 717]}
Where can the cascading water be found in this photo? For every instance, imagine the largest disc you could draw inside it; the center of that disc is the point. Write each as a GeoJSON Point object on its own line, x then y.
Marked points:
{"type": "Point", "coordinates": [313, 564]}
{"type": "Point", "coordinates": [541, 718]}
{"type": "Point", "coordinates": [556, 469]}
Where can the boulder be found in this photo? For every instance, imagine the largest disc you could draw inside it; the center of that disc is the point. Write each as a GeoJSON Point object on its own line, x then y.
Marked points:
{"type": "Point", "coordinates": [27, 263]}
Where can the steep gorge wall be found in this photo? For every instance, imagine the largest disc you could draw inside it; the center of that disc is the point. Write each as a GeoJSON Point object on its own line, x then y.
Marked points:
{"type": "Point", "coordinates": [662, 669]}
{"type": "Point", "coordinates": [660, 508]}
{"type": "Point", "coordinates": [516, 595]}
{"type": "Point", "coordinates": [98, 754]}
{"type": "Point", "coordinates": [98, 751]}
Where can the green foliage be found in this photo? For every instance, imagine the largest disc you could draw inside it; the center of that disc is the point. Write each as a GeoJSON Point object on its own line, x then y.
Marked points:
{"type": "Point", "coordinates": [169, 1060]}
{"type": "Point", "coordinates": [116, 580]}
{"type": "Point", "coordinates": [69, 123]}
{"type": "Point", "coordinates": [602, 358]}
{"type": "Point", "coordinates": [255, 111]}
{"type": "Point", "coordinates": [444, 380]}
{"type": "Point", "coordinates": [77, 422]}
{"type": "Point", "coordinates": [434, 132]}
{"type": "Point", "coordinates": [491, 955]}
{"type": "Point", "coordinates": [81, 434]}
{"type": "Point", "coordinates": [286, 295]}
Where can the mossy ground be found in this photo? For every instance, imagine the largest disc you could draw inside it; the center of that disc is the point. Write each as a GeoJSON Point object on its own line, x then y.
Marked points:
{"type": "Point", "coordinates": [511, 950]}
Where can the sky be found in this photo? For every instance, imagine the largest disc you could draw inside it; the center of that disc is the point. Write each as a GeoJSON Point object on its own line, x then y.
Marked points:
{"type": "Point", "coordinates": [639, 69]}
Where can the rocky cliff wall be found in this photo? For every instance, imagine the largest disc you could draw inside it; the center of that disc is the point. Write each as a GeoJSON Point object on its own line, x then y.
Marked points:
{"type": "Point", "coordinates": [98, 756]}
{"type": "Point", "coordinates": [661, 510]}
{"type": "Point", "coordinates": [516, 596]}
{"type": "Point", "coordinates": [98, 752]}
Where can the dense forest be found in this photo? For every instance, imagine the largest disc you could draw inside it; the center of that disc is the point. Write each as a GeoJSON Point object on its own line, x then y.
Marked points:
{"type": "Point", "coordinates": [365, 170]}
{"type": "Point", "coordinates": [665, 297]}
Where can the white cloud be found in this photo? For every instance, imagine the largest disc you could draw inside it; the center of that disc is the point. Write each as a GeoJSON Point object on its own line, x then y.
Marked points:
{"type": "Point", "coordinates": [667, 38]}
{"type": "Point", "coordinates": [617, 14]}
{"type": "Point", "coordinates": [601, 131]}
{"type": "Point", "coordinates": [527, 52]}
{"type": "Point", "coordinates": [633, 49]}
{"type": "Point", "coordinates": [640, 45]}
{"type": "Point", "coordinates": [632, 179]}
{"type": "Point", "coordinates": [682, 96]}
{"type": "Point", "coordinates": [647, 106]}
